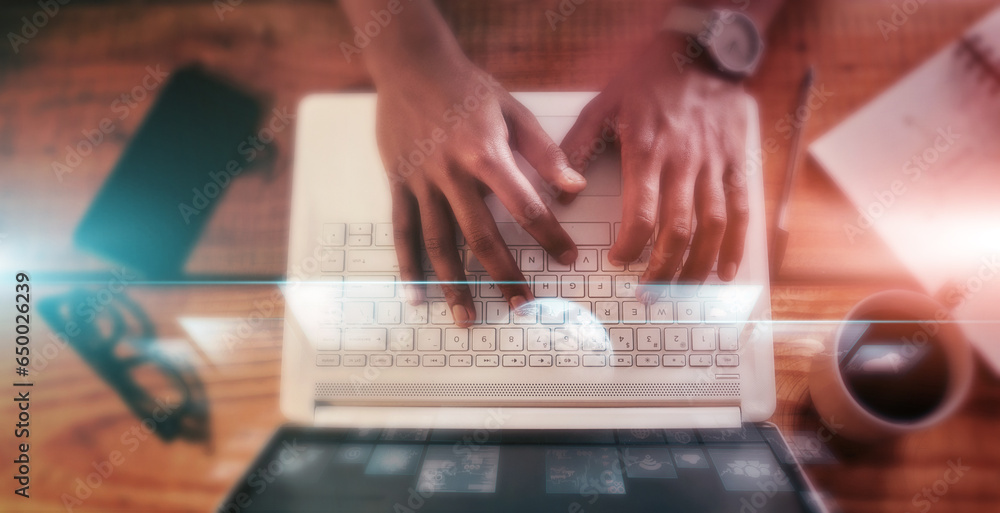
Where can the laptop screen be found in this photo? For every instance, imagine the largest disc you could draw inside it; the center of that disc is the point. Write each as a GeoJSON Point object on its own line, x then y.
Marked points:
{"type": "Point", "coordinates": [394, 470]}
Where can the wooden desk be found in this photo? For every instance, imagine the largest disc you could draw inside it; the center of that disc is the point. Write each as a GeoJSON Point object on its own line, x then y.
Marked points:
{"type": "Point", "coordinates": [65, 78]}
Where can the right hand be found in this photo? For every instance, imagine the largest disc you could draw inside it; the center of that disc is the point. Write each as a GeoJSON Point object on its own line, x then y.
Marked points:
{"type": "Point", "coordinates": [446, 131]}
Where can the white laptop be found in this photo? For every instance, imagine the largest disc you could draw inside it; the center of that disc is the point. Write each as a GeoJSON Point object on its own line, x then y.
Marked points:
{"type": "Point", "coordinates": [585, 356]}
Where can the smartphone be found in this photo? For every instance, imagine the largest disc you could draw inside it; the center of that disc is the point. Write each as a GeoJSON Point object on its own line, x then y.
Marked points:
{"type": "Point", "coordinates": [152, 208]}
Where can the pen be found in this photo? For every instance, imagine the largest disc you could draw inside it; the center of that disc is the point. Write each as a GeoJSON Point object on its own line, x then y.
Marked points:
{"type": "Point", "coordinates": [780, 239]}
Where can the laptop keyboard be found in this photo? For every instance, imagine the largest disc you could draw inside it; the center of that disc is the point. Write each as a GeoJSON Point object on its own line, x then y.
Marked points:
{"type": "Point", "coordinates": [586, 313]}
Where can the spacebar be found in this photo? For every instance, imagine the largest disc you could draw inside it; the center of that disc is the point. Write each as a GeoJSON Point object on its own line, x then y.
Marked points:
{"type": "Point", "coordinates": [584, 234]}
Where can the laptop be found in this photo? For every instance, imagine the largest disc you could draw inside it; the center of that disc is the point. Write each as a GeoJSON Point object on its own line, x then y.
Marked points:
{"type": "Point", "coordinates": [586, 400]}
{"type": "Point", "coordinates": [585, 355]}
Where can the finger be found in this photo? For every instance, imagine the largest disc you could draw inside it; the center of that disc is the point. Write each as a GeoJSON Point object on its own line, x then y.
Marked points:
{"type": "Point", "coordinates": [710, 209]}
{"type": "Point", "coordinates": [501, 174]}
{"type": "Point", "coordinates": [406, 238]}
{"type": "Point", "coordinates": [542, 153]}
{"type": "Point", "coordinates": [738, 218]}
{"type": "Point", "coordinates": [642, 166]}
{"type": "Point", "coordinates": [483, 238]}
{"type": "Point", "coordinates": [675, 214]}
{"type": "Point", "coordinates": [590, 135]}
{"type": "Point", "coordinates": [439, 239]}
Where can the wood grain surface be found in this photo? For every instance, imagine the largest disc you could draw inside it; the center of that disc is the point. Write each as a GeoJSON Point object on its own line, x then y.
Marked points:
{"type": "Point", "coordinates": [64, 80]}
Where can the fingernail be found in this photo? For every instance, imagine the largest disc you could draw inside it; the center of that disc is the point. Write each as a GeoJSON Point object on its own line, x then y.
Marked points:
{"type": "Point", "coordinates": [413, 294]}
{"type": "Point", "coordinates": [728, 271]}
{"type": "Point", "coordinates": [461, 315]}
{"type": "Point", "coordinates": [573, 177]}
{"type": "Point", "coordinates": [518, 301]}
{"type": "Point", "coordinates": [568, 257]}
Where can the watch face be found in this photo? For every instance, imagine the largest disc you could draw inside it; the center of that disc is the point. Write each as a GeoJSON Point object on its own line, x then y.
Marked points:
{"type": "Point", "coordinates": [735, 45]}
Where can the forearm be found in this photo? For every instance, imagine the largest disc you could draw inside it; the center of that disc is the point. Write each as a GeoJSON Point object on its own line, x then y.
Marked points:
{"type": "Point", "coordinates": [408, 34]}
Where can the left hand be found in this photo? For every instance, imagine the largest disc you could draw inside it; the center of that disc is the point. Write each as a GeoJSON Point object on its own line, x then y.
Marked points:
{"type": "Point", "coordinates": [682, 135]}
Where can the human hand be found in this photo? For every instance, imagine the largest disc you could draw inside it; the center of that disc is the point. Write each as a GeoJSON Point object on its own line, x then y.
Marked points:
{"type": "Point", "coordinates": [446, 130]}
{"type": "Point", "coordinates": [682, 136]}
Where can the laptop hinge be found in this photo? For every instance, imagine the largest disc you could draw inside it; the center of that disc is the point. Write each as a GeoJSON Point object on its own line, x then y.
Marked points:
{"type": "Point", "coordinates": [502, 417]}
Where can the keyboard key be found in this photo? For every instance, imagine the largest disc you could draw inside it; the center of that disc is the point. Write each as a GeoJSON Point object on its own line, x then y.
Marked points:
{"type": "Point", "coordinates": [456, 339]}
{"type": "Point", "coordinates": [673, 360]}
{"type": "Point", "coordinates": [640, 264]}
{"type": "Point", "coordinates": [334, 234]}
{"type": "Point", "coordinates": [428, 339]}
{"type": "Point", "coordinates": [606, 312]}
{"type": "Point", "coordinates": [595, 360]}
{"type": "Point", "coordinates": [573, 286]}
{"type": "Point", "coordinates": [433, 287]}
{"type": "Point", "coordinates": [661, 312]}
{"type": "Point", "coordinates": [648, 339]}
{"type": "Point", "coordinates": [487, 360]}
{"type": "Point", "coordinates": [565, 339]}
{"type": "Point", "coordinates": [525, 315]}
{"type": "Point", "coordinates": [589, 234]}
{"type": "Point", "coordinates": [728, 339]}
{"type": "Point", "coordinates": [460, 360]}
{"type": "Point", "coordinates": [701, 360]}
{"type": "Point", "coordinates": [359, 240]}
{"type": "Point", "coordinates": [370, 286]}
{"type": "Point", "coordinates": [364, 339]}
{"type": "Point", "coordinates": [354, 360]}
{"type": "Point", "coordinates": [720, 311]}
{"type": "Point", "coordinates": [688, 311]}
{"type": "Point", "coordinates": [359, 312]}
{"type": "Point", "coordinates": [407, 360]}
{"type": "Point", "coordinates": [546, 286]}
{"type": "Point", "coordinates": [489, 289]}
{"type": "Point", "coordinates": [383, 234]}
{"type": "Point", "coordinates": [472, 264]}
{"type": "Point", "coordinates": [625, 286]}
{"type": "Point", "coordinates": [647, 360]}
{"type": "Point", "coordinates": [497, 312]}
{"type": "Point", "coordinates": [567, 360]}
{"type": "Point", "coordinates": [578, 312]}
{"type": "Point", "coordinates": [703, 339]}
{"type": "Point", "coordinates": [389, 312]}
{"type": "Point", "coordinates": [599, 286]}
{"type": "Point", "coordinates": [540, 360]}
{"type": "Point", "coordinates": [633, 312]}
{"type": "Point", "coordinates": [361, 229]}
{"type": "Point", "coordinates": [332, 260]}
{"type": "Point", "coordinates": [675, 339]}
{"type": "Point", "coordinates": [513, 360]}
{"type": "Point", "coordinates": [415, 314]}
{"type": "Point", "coordinates": [539, 339]}
{"type": "Point", "coordinates": [477, 306]}
{"type": "Point", "coordinates": [433, 360]}
{"type": "Point", "coordinates": [532, 260]}
{"type": "Point", "coordinates": [593, 338]}
{"type": "Point", "coordinates": [332, 313]}
{"type": "Point", "coordinates": [329, 340]}
{"type": "Point", "coordinates": [555, 266]}
{"type": "Point", "coordinates": [606, 264]}
{"type": "Point", "coordinates": [622, 339]}
{"type": "Point", "coordinates": [551, 313]}
{"type": "Point", "coordinates": [373, 261]}
{"type": "Point", "coordinates": [401, 339]}
{"type": "Point", "coordinates": [484, 339]}
{"type": "Point", "coordinates": [327, 360]}
{"type": "Point", "coordinates": [381, 360]}
{"type": "Point", "coordinates": [512, 339]}
{"type": "Point", "coordinates": [440, 313]}
{"type": "Point", "coordinates": [621, 360]}
{"type": "Point", "coordinates": [727, 360]}
{"type": "Point", "coordinates": [586, 261]}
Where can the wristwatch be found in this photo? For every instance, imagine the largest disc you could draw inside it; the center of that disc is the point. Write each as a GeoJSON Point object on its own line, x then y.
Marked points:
{"type": "Point", "coordinates": [730, 38]}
